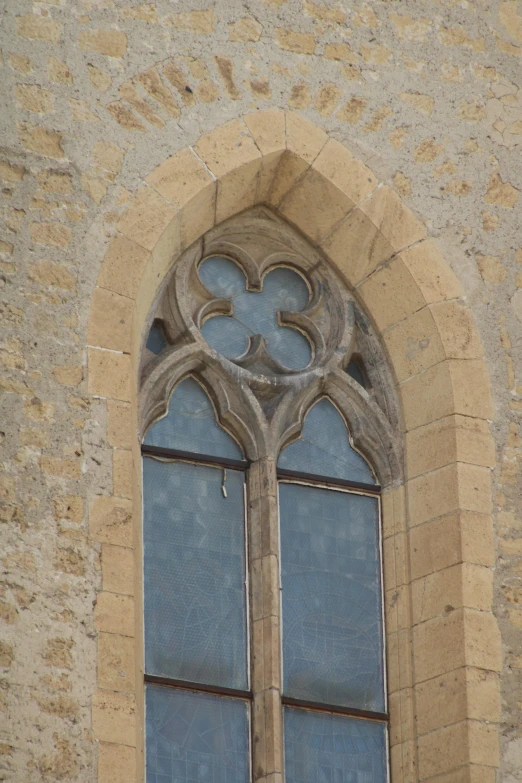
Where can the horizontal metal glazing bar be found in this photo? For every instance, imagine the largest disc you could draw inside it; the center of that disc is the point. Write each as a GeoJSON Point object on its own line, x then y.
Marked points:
{"type": "Point", "coordinates": [311, 478]}
{"type": "Point", "coordinates": [349, 712]}
{"type": "Point", "coordinates": [198, 686]}
{"type": "Point", "coordinates": [189, 456]}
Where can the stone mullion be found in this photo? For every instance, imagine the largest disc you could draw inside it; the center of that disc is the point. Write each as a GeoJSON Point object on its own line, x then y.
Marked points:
{"type": "Point", "coordinates": [265, 621]}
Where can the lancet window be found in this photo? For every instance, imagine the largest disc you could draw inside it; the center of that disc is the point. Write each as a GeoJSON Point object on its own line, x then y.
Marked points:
{"type": "Point", "coordinates": [268, 428]}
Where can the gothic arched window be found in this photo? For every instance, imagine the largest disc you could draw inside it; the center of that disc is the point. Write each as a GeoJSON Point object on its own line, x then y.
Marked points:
{"type": "Point", "coordinates": [262, 389]}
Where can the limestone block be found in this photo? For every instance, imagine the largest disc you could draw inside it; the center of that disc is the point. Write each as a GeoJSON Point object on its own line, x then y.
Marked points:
{"type": "Point", "coordinates": [463, 637]}
{"type": "Point", "coordinates": [457, 330]}
{"type": "Point", "coordinates": [454, 746]}
{"type": "Point", "coordinates": [41, 140]}
{"type": "Point", "coordinates": [267, 129]}
{"type": "Point", "coordinates": [431, 272]}
{"type": "Point", "coordinates": [400, 706]}
{"type": "Point", "coordinates": [114, 717]}
{"type": "Point", "coordinates": [112, 43]}
{"type": "Point", "coordinates": [227, 148]}
{"type": "Point", "coordinates": [116, 662]}
{"type": "Point", "coordinates": [450, 698]}
{"type": "Point", "coordinates": [395, 221]}
{"type": "Point", "coordinates": [110, 321]}
{"type": "Point", "coordinates": [64, 468]}
{"type": "Point", "coordinates": [453, 487]}
{"type": "Point", "coordinates": [414, 344]}
{"type": "Point", "coordinates": [122, 474]}
{"type": "Point", "coordinates": [147, 218]}
{"type": "Point", "coordinates": [393, 511]}
{"type": "Point", "coordinates": [40, 28]}
{"type": "Point", "coordinates": [460, 585]}
{"type": "Point", "coordinates": [109, 374]}
{"type": "Point", "coordinates": [110, 520]}
{"type": "Point", "coordinates": [303, 138]}
{"type": "Point", "coordinates": [451, 439]}
{"type": "Point", "coordinates": [291, 41]}
{"type": "Point", "coordinates": [461, 536]}
{"type": "Point", "coordinates": [123, 266]}
{"type": "Point", "coordinates": [398, 658]}
{"type": "Point", "coordinates": [116, 763]}
{"type": "Point", "coordinates": [119, 424]}
{"type": "Point", "coordinates": [357, 247]}
{"type": "Point", "coordinates": [51, 234]}
{"type": "Point", "coordinates": [117, 569]}
{"type": "Point", "coordinates": [391, 294]}
{"type": "Point", "coordinates": [114, 614]}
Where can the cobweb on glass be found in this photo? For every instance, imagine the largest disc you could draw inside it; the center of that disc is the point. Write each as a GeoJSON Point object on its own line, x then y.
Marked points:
{"type": "Point", "coordinates": [190, 425]}
{"type": "Point", "coordinates": [326, 748]}
{"type": "Point", "coordinates": [255, 312]}
{"type": "Point", "coordinates": [195, 737]}
{"type": "Point", "coordinates": [324, 447]}
{"type": "Point", "coordinates": [331, 597]}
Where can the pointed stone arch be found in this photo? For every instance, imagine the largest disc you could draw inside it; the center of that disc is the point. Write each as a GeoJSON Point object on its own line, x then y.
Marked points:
{"type": "Point", "coordinates": [443, 641]}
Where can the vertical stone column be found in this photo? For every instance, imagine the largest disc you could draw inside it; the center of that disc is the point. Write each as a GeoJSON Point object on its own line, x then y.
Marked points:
{"type": "Point", "coordinates": [263, 528]}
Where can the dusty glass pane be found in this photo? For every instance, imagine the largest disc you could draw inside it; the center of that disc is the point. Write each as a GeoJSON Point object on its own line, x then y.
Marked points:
{"type": "Point", "coordinates": [190, 425]}
{"type": "Point", "coordinates": [194, 573]}
{"type": "Point", "coordinates": [195, 737]}
{"type": "Point", "coordinates": [326, 748]}
{"type": "Point", "coordinates": [324, 447]}
{"type": "Point", "coordinates": [156, 340]}
{"type": "Point", "coordinates": [255, 312]}
{"type": "Point", "coordinates": [332, 619]}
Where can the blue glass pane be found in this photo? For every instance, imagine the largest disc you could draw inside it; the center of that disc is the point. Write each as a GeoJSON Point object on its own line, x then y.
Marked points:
{"type": "Point", "coordinates": [156, 341]}
{"type": "Point", "coordinates": [324, 447]}
{"type": "Point", "coordinates": [255, 312]}
{"type": "Point", "coordinates": [190, 425]}
{"type": "Point", "coordinates": [325, 748]}
{"type": "Point", "coordinates": [354, 371]}
{"type": "Point", "coordinates": [194, 573]}
{"type": "Point", "coordinates": [195, 737]}
{"type": "Point", "coordinates": [332, 606]}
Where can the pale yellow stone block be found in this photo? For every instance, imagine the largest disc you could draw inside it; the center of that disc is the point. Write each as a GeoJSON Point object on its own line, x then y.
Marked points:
{"type": "Point", "coordinates": [431, 272]}
{"type": "Point", "coordinates": [457, 330]}
{"type": "Point", "coordinates": [455, 696]}
{"type": "Point", "coordinates": [109, 374]}
{"type": "Point", "coordinates": [114, 717]}
{"type": "Point", "coordinates": [114, 614]}
{"type": "Point", "coordinates": [451, 439]}
{"type": "Point", "coordinates": [39, 28]}
{"type": "Point", "coordinates": [393, 511]}
{"type": "Point", "coordinates": [237, 189]}
{"type": "Point", "coordinates": [110, 520]}
{"type": "Point", "coordinates": [403, 762]}
{"type": "Point", "coordinates": [147, 218]}
{"type": "Point", "coordinates": [470, 773]}
{"type": "Point", "coordinates": [122, 473]}
{"type": "Point", "coordinates": [414, 344]}
{"type": "Point", "coordinates": [279, 176]}
{"type": "Point", "coordinates": [123, 267]}
{"type": "Point", "coordinates": [454, 746]}
{"type": "Point", "coordinates": [391, 294]}
{"type": "Point", "coordinates": [399, 660]}
{"type": "Point", "coordinates": [397, 609]}
{"type": "Point", "coordinates": [116, 662]}
{"type": "Point", "coordinates": [315, 205]}
{"type": "Point", "coordinates": [453, 487]}
{"type": "Point", "coordinates": [462, 536]}
{"type": "Point", "coordinates": [116, 763]}
{"type": "Point", "coordinates": [395, 561]}
{"type": "Point", "coordinates": [112, 43]}
{"type": "Point", "coordinates": [117, 569]}
{"type": "Point", "coordinates": [400, 707]}
{"type": "Point", "coordinates": [110, 320]}
{"type": "Point", "coordinates": [471, 388]}
{"type": "Point", "coordinates": [119, 424]}
{"type": "Point", "coordinates": [355, 180]}
{"type": "Point", "coordinates": [463, 637]}
{"type": "Point", "coordinates": [180, 178]}
{"type": "Point", "coordinates": [356, 247]}
{"type": "Point", "coordinates": [443, 591]}
{"type": "Point", "coordinates": [394, 220]}
{"type": "Point", "coordinates": [453, 386]}
{"type": "Point", "coordinates": [198, 215]}
{"type": "Point", "coordinates": [303, 138]}
{"type": "Point", "coordinates": [268, 130]}
{"type": "Point", "coordinates": [227, 148]}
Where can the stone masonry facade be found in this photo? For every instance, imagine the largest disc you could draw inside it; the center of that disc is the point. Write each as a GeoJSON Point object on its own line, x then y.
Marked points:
{"type": "Point", "coordinates": [390, 134]}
